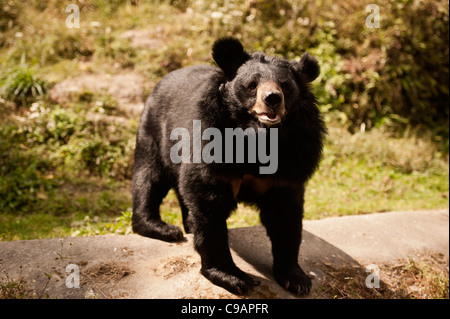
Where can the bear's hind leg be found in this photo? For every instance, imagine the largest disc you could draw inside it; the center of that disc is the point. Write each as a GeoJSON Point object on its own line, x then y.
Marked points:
{"type": "Point", "coordinates": [184, 213]}
{"type": "Point", "coordinates": [150, 187]}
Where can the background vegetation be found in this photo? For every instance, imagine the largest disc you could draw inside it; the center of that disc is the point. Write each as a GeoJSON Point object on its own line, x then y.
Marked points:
{"type": "Point", "coordinates": [65, 165]}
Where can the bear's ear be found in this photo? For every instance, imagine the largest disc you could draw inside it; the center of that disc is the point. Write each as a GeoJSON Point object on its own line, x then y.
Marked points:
{"type": "Point", "coordinates": [229, 55]}
{"type": "Point", "coordinates": [308, 67]}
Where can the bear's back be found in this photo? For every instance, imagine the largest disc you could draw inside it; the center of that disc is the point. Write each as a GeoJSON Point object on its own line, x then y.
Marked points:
{"type": "Point", "coordinates": [184, 86]}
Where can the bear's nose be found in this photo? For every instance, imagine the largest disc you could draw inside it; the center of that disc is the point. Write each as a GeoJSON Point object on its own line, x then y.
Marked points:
{"type": "Point", "coordinates": [273, 99]}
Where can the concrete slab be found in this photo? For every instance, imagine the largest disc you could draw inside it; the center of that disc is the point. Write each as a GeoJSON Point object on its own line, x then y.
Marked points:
{"type": "Point", "coordinates": [113, 266]}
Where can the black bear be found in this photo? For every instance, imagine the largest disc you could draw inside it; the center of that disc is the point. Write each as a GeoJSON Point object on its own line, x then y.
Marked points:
{"type": "Point", "coordinates": [267, 97]}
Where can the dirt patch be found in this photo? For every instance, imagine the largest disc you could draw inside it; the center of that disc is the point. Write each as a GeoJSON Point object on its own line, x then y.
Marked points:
{"type": "Point", "coordinates": [14, 289]}
{"type": "Point", "coordinates": [263, 292]}
{"type": "Point", "coordinates": [174, 266]}
{"type": "Point", "coordinates": [126, 88]}
{"type": "Point", "coordinates": [107, 273]}
{"type": "Point", "coordinates": [350, 283]}
{"type": "Point", "coordinates": [146, 38]}
{"type": "Point", "coordinates": [424, 277]}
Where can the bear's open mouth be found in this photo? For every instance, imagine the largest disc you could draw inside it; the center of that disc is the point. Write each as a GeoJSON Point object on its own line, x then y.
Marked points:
{"type": "Point", "coordinates": [269, 118]}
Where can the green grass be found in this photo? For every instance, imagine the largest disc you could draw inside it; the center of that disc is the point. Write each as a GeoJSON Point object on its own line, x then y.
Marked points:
{"type": "Point", "coordinates": [89, 206]}
{"type": "Point", "coordinates": [374, 172]}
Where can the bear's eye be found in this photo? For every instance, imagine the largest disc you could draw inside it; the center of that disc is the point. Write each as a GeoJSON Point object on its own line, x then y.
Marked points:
{"type": "Point", "coordinates": [252, 86]}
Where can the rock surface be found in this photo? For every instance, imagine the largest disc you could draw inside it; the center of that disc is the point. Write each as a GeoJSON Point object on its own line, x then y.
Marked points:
{"type": "Point", "coordinates": [113, 266]}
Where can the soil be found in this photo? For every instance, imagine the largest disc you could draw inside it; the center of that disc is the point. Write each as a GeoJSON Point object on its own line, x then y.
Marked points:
{"type": "Point", "coordinates": [127, 88]}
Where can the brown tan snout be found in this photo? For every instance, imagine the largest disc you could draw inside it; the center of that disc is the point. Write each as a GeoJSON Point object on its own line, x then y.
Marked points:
{"type": "Point", "coordinates": [269, 107]}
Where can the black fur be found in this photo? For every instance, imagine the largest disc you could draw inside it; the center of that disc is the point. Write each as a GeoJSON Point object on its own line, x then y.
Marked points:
{"type": "Point", "coordinates": [222, 98]}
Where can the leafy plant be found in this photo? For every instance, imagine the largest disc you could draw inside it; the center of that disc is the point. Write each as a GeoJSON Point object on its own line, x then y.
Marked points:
{"type": "Point", "coordinates": [123, 223]}
{"type": "Point", "coordinates": [22, 85]}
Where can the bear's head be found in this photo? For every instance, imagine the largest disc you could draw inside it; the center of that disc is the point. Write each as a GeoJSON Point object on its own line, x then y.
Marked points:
{"type": "Point", "coordinates": [263, 89]}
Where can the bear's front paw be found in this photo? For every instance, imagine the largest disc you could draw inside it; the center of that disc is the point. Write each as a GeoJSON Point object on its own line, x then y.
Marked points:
{"type": "Point", "coordinates": [236, 281]}
{"type": "Point", "coordinates": [294, 280]}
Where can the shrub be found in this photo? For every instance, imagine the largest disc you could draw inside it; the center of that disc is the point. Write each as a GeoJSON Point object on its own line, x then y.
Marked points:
{"type": "Point", "coordinates": [72, 142]}
{"type": "Point", "coordinates": [22, 184]}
